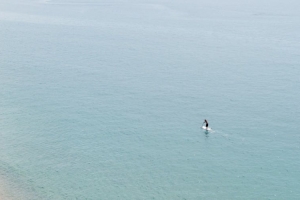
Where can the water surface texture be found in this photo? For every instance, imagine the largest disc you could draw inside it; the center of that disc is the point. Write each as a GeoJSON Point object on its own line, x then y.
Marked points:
{"type": "Point", "coordinates": [105, 99]}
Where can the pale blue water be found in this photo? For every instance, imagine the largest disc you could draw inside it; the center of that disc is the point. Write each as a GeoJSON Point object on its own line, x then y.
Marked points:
{"type": "Point", "coordinates": [105, 99]}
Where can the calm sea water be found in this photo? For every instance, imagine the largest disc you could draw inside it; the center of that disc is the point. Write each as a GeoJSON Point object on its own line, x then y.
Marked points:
{"type": "Point", "coordinates": [105, 99]}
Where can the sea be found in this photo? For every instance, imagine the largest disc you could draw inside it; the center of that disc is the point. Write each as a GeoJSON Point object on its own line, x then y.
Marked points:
{"type": "Point", "coordinates": [105, 99]}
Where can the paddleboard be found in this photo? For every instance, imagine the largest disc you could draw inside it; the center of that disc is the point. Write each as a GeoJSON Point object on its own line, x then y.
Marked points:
{"type": "Point", "coordinates": [208, 128]}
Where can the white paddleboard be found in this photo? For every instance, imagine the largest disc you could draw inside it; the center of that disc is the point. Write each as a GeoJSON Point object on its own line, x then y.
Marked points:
{"type": "Point", "coordinates": [208, 128]}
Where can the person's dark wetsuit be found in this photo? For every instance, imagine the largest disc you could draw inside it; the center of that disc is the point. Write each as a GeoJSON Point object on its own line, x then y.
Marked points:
{"type": "Point", "coordinates": [206, 123]}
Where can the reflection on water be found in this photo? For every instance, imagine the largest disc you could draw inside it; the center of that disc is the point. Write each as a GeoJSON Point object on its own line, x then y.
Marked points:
{"type": "Point", "coordinates": [206, 133]}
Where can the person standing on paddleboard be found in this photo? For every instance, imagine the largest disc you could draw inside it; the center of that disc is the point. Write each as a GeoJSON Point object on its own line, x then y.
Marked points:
{"type": "Point", "coordinates": [206, 123]}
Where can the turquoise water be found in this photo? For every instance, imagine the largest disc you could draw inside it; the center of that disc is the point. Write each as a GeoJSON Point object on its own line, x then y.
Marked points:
{"type": "Point", "coordinates": [105, 99]}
